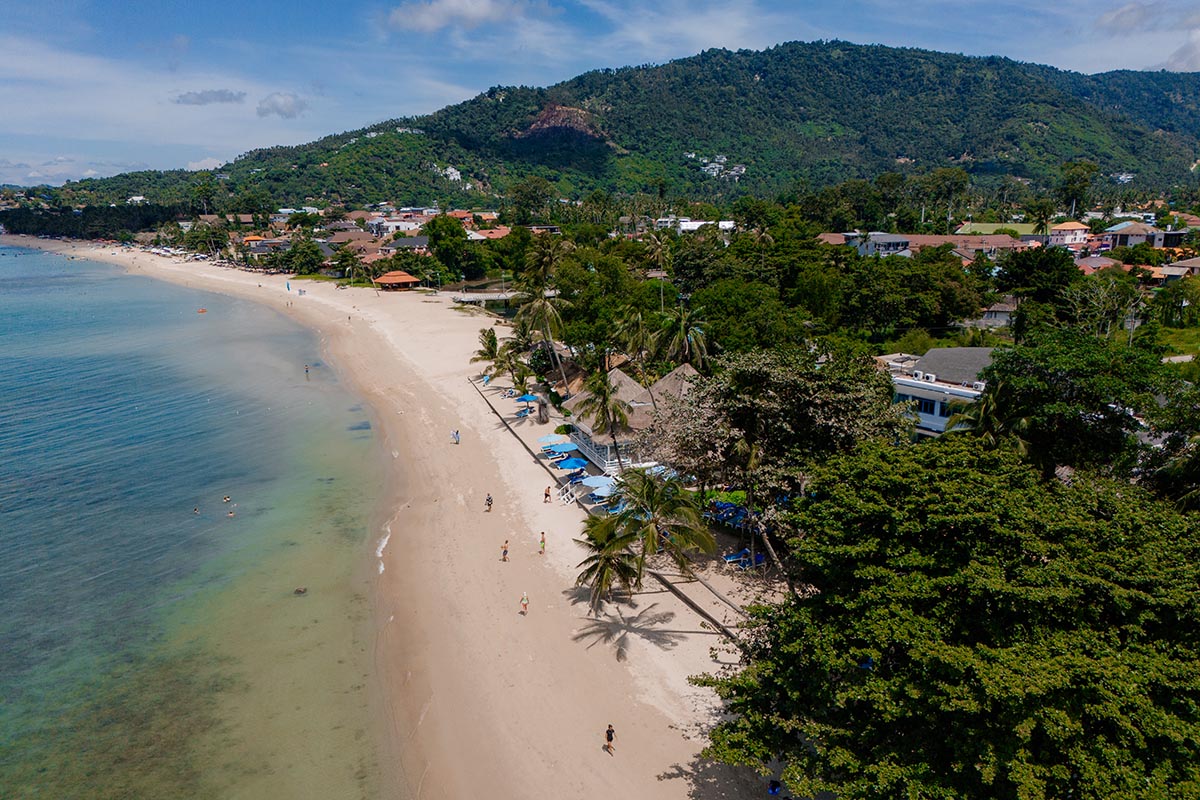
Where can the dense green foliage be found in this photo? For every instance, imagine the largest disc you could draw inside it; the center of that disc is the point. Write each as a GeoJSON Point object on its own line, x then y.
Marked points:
{"type": "Point", "coordinates": [973, 632]}
{"type": "Point", "coordinates": [92, 222]}
{"type": "Point", "coordinates": [797, 114]}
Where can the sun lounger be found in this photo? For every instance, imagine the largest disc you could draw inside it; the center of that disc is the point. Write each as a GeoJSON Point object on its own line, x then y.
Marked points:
{"type": "Point", "coordinates": [733, 558]}
{"type": "Point", "coordinates": [759, 560]}
{"type": "Point", "coordinates": [524, 412]}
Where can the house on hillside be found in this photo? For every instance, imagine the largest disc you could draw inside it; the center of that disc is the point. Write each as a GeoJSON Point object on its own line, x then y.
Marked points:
{"type": "Point", "coordinates": [410, 244]}
{"type": "Point", "coordinates": [1131, 234]}
{"type": "Point", "coordinates": [598, 447]}
{"type": "Point", "coordinates": [1072, 235]}
{"type": "Point", "coordinates": [878, 243]}
{"type": "Point", "coordinates": [937, 383]}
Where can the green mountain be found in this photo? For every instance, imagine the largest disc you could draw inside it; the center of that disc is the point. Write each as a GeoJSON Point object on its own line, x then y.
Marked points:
{"type": "Point", "coordinates": [723, 123]}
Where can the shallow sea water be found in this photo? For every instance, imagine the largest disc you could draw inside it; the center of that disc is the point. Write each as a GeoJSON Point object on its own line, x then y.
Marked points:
{"type": "Point", "coordinates": [146, 650]}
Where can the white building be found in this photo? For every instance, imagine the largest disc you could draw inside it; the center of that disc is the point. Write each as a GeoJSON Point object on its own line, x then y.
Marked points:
{"type": "Point", "coordinates": [939, 383]}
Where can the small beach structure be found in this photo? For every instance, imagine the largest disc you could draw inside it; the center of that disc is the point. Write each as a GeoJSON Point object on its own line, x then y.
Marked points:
{"type": "Point", "coordinates": [641, 402]}
{"type": "Point", "coordinates": [397, 280]}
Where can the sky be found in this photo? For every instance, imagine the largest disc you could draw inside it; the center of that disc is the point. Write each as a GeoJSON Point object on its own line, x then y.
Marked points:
{"type": "Point", "coordinates": [97, 87]}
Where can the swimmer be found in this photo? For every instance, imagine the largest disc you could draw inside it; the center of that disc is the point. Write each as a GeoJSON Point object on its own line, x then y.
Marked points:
{"type": "Point", "coordinates": [196, 510]}
{"type": "Point", "coordinates": [225, 499]}
{"type": "Point", "coordinates": [230, 514]}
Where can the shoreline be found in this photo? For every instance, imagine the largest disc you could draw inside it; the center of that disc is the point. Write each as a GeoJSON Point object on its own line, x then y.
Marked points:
{"type": "Point", "coordinates": [476, 700]}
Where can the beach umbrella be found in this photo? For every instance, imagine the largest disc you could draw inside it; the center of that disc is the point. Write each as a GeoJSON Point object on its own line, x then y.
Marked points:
{"type": "Point", "coordinates": [596, 481]}
{"type": "Point", "coordinates": [604, 491]}
{"type": "Point", "coordinates": [572, 463]}
{"type": "Point", "coordinates": [552, 438]}
{"type": "Point", "coordinates": [527, 398]}
{"type": "Point", "coordinates": [565, 447]}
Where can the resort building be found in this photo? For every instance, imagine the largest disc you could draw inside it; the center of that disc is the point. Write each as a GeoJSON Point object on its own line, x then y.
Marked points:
{"type": "Point", "coordinates": [640, 401]}
{"type": "Point", "coordinates": [938, 383]}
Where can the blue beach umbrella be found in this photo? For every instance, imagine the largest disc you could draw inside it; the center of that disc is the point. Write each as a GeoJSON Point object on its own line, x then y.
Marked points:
{"type": "Point", "coordinates": [596, 481]}
{"type": "Point", "coordinates": [604, 491]}
{"type": "Point", "coordinates": [552, 438]}
{"type": "Point", "coordinates": [565, 447]}
{"type": "Point", "coordinates": [527, 398]}
{"type": "Point", "coordinates": [572, 463]}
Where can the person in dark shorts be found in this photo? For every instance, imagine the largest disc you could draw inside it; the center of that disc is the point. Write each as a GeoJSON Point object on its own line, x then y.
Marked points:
{"type": "Point", "coordinates": [610, 736]}
{"type": "Point", "coordinates": [488, 502]}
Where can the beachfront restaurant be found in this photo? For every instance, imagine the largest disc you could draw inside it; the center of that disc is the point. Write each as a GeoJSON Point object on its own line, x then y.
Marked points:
{"type": "Point", "coordinates": [640, 402]}
{"type": "Point", "coordinates": [397, 280]}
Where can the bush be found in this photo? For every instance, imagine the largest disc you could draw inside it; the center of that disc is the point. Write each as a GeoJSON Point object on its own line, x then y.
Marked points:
{"type": "Point", "coordinates": [565, 429]}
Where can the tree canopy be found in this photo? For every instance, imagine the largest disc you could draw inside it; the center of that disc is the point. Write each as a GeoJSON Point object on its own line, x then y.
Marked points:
{"type": "Point", "coordinates": [972, 631]}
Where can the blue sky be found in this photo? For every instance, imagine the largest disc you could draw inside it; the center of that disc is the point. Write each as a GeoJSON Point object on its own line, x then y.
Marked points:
{"type": "Point", "coordinates": [96, 87]}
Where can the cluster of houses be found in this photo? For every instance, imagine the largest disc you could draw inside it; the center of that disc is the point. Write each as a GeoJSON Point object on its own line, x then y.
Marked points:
{"type": "Point", "coordinates": [373, 235]}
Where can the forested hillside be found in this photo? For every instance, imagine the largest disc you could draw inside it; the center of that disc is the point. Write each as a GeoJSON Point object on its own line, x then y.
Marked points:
{"type": "Point", "coordinates": [724, 123]}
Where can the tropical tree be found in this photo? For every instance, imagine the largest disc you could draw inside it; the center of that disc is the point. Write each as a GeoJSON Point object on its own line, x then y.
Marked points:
{"type": "Point", "coordinates": [637, 339]}
{"type": "Point", "coordinates": [974, 632]}
{"type": "Point", "coordinates": [347, 260]}
{"type": "Point", "coordinates": [489, 349]}
{"type": "Point", "coordinates": [542, 312]}
{"type": "Point", "coordinates": [508, 359]}
{"type": "Point", "coordinates": [610, 561]}
{"type": "Point", "coordinates": [660, 515]}
{"type": "Point", "coordinates": [992, 419]}
{"type": "Point", "coordinates": [607, 411]}
{"type": "Point", "coordinates": [682, 338]}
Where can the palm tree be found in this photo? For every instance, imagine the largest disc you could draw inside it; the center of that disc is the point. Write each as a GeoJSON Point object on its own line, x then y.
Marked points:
{"type": "Point", "coordinates": [659, 514]}
{"type": "Point", "coordinates": [544, 259]}
{"type": "Point", "coordinates": [508, 359]}
{"type": "Point", "coordinates": [489, 349]}
{"type": "Point", "coordinates": [992, 419]}
{"type": "Point", "coordinates": [637, 339]}
{"type": "Point", "coordinates": [607, 411]}
{"type": "Point", "coordinates": [610, 561]}
{"type": "Point", "coordinates": [658, 253]}
{"type": "Point", "coordinates": [682, 340]}
{"type": "Point", "coordinates": [542, 312]}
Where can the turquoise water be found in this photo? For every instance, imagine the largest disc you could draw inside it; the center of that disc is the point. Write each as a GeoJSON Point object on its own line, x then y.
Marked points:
{"type": "Point", "coordinates": [149, 651]}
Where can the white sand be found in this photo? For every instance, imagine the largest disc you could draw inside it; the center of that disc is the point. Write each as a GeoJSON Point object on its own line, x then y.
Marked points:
{"type": "Point", "coordinates": [477, 700]}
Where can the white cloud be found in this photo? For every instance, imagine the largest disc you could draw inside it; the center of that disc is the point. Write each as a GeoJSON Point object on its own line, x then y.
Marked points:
{"type": "Point", "coordinates": [434, 15]}
{"type": "Point", "coordinates": [204, 163]}
{"type": "Point", "coordinates": [1187, 57]}
{"type": "Point", "coordinates": [1133, 16]}
{"type": "Point", "coordinates": [206, 97]}
{"type": "Point", "coordinates": [281, 104]}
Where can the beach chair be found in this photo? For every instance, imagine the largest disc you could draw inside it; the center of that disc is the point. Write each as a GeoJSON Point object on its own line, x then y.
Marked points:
{"type": "Point", "coordinates": [734, 558]}
{"type": "Point", "coordinates": [759, 560]}
{"type": "Point", "coordinates": [524, 412]}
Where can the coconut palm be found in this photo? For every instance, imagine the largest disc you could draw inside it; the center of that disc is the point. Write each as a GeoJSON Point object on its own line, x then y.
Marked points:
{"type": "Point", "coordinates": [508, 359]}
{"type": "Point", "coordinates": [637, 338]}
{"type": "Point", "coordinates": [610, 561]}
{"type": "Point", "coordinates": [605, 409]}
{"type": "Point", "coordinates": [682, 339]}
{"type": "Point", "coordinates": [992, 419]}
{"type": "Point", "coordinates": [538, 310]}
{"type": "Point", "coordinates": [659, 514]}
{"type": "Point", "coordinates": [489, 349]}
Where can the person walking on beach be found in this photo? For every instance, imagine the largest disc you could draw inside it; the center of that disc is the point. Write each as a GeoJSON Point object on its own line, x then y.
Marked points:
{"type": "Point", "coordinates": [610, 736]}
{"type": "Point", "coordinates": [524, 603]}
{"type": "Point", "coordinates": [306, 370]}
{"type": "Point", "coordinates": [542, 545]}
{"type": "Point", "coordinates": [488, 502]}
{"type": "Point", "coordinates": [456, 437]}
{"type": "Point", "coordinates": [504, 551]}
{"type": "Point", "coordinates": [546, 495]}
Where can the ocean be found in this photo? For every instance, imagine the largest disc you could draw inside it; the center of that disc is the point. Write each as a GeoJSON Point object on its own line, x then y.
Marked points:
{"type": "Point", "coordinates": [152, 645]}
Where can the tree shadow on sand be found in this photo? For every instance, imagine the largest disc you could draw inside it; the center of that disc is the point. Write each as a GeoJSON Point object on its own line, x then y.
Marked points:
{"type": "Point", "coordinates": [647, 624]}
{"type": "Point", "coordinates": [710, 780]}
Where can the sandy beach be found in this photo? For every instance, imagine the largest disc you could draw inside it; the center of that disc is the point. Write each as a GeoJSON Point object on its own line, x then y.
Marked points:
{"type": "Point", "coordinates": [476, 700]}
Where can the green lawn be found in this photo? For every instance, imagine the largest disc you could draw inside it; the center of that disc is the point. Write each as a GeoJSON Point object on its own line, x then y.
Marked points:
{"type": "Point", "coordinates": [1182, 340]}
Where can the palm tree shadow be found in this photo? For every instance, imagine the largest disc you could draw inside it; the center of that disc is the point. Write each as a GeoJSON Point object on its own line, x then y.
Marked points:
{"type": "Point", "coordinates": [646, 625]}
